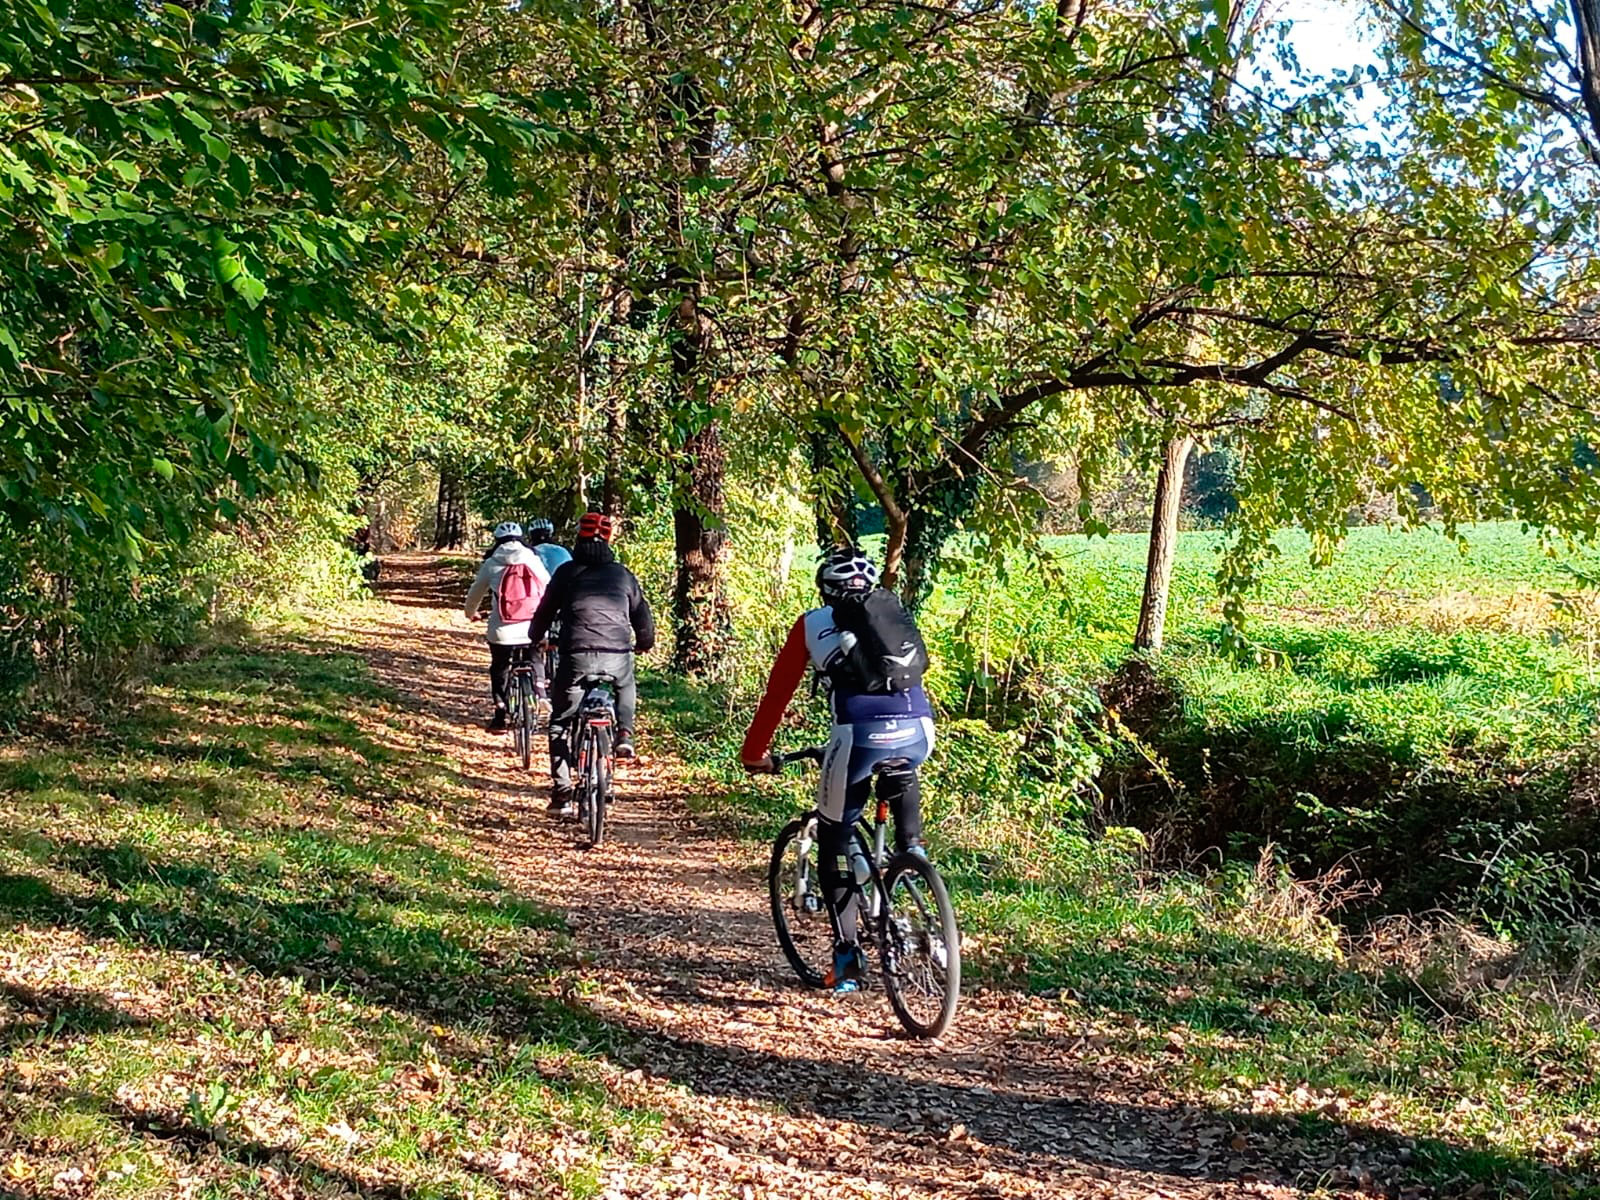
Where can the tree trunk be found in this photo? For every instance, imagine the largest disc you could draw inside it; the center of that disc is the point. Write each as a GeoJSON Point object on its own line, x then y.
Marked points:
{"type": "Point", "coordinates": [580, 415]}
{"type": "Point", "coordinates": [1163, 542]}
{"type": "Point", "coordinates": [450, 511]}
{"type": "Point", "coordinates": [702, 623]}
{"type": "Point", "coordinates": [611, 496]}
{"type": "Point", "coordinates": [1586, 23]}
{"type": "Point", "coordinates": [702, 627]}
{"type": "Point", "coordinates": [833, 508]}
{"type": "Point", "coordinates": [914, 575]}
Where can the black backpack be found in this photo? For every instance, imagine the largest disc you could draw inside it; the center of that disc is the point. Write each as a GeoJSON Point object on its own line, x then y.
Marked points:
{"type": "Point", "coordinates": [888, 655]}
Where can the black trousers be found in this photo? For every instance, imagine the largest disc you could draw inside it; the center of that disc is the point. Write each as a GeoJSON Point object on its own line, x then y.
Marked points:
{"type": "Point", "coordinates": [567, 694]}
{"type": "Point", "coordinates": [502, 659]}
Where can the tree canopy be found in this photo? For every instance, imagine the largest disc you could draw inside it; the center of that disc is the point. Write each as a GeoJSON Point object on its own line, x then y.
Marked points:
{"type": "Point", "coordinates": [593, 253]}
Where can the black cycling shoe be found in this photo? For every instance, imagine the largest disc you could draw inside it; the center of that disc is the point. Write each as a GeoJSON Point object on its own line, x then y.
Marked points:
{"type": "Point", "coordinates": [561, 802]}
{"type": "Point", "coordinates": [624, 746]}
{"type": "Point", "coordinates": [499, 723]}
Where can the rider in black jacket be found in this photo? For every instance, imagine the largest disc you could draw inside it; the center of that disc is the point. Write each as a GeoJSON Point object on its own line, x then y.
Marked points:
{"type": "Point", "coordinates": [604, 619]}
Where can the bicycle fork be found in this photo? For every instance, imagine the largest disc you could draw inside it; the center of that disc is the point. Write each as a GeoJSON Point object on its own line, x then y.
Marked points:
{"type": "Point", "coordinates": [806, 897]}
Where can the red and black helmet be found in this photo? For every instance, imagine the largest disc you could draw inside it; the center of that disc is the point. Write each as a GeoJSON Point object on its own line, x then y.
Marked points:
{"type": "Point", "coordinates": [595, 525]}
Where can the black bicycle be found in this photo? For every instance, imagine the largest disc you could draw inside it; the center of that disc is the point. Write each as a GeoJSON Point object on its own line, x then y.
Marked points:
{"type": "Point", "coordinates": [522, 703]}
{"type": "Point", "coordinates": [597, 719]}
{"type": "Point", "coordinates": [906, 912]}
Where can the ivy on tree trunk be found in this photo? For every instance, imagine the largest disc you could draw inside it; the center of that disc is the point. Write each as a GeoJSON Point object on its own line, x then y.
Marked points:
{"type": "Point", "coordinates": [702, 619]}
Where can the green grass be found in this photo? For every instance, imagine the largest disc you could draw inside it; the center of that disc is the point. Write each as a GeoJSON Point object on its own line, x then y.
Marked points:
{"type": "Point", "coordinates": [239, 943]}
{"type": "Point", "coordinates": [1399, 619]}
{"type": "Point", "coordinates": [1407, 692]}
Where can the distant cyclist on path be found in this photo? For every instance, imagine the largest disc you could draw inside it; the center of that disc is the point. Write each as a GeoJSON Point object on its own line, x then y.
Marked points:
{"type": "Point", "coordinates": [605, 620]}
{"type": "Point", "coordinates": [514, 579]}
{"type": "Point", "coordinates": [541, 539]}
{"type": "Point", "coordinates": [868, 650]}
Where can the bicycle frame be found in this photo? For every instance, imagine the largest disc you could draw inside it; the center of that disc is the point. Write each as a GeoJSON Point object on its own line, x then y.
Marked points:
{"type": "Point", "coordinates": [876, 835]}
{"type": "Point", "coordinates": [923, 924]}
{"type": "Point", "coordinates": [595, 717]}
{"type": "Point", "coordinates": [586, 735]}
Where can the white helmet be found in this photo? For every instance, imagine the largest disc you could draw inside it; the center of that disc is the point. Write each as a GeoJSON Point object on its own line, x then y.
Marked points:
{"type": "Point", "coordinates": [507, 529]}
{"type": "Point", "coordinates": [846, 574]}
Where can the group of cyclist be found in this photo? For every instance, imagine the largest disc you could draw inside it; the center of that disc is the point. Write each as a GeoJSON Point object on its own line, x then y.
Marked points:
{"type": "Point", "coordinates": [859, 641]}
{"type": "Point", "coordinates": [588, 607]}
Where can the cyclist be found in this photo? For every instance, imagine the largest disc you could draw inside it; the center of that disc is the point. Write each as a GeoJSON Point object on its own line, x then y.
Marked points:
{"type": "Point", "coordinates": [882, 723]}
{"type": "Point", "coordinates": [605, 620]}
{"type": "Point", "coordinates": [542, 539]}
{"type": "Point", "coordinates": [514, 579]}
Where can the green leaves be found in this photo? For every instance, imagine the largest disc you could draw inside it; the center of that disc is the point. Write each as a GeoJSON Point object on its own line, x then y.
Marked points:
{"type": "Point", "coordinates": [188, 203]}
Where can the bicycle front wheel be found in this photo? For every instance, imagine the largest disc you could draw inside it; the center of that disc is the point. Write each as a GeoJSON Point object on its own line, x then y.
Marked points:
{"type": "Point", "coordinates": [921, 946]}
{"type": "Point", "coordinates": [525, 720]}
{"type": "Point", "coordinates": [800, 904]}
{"type": "Point", "coordinates": [799, 909]}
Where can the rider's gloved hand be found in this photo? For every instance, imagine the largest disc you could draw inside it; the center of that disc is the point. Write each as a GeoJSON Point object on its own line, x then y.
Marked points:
{"type": "Point", "coordinates": [767, 766]}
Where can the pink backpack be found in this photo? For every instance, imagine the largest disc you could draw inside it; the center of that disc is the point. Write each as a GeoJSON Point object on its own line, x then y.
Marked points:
{"type": "Point", "coordinates": [520, 593]}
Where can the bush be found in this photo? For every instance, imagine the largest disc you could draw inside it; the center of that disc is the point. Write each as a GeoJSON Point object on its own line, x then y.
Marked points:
{"type": "Point", "coordinates": [77, 626]}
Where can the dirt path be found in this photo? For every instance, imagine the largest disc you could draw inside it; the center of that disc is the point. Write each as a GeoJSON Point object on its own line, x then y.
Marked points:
{"type": "Point", "coordinates": [772, 1090]}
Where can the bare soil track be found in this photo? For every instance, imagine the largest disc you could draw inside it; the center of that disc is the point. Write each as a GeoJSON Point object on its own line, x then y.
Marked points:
{"type": "Point", "coordinates": [776, 1091]}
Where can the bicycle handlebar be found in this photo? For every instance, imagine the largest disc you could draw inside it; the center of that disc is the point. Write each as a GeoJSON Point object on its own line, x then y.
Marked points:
{"type": "Point", "coordinates": [814, 753]}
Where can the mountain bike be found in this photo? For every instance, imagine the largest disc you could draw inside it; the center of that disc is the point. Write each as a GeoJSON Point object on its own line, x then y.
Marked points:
{"type": "Point", "coordinates": [597, 718]}
{"type": "Point", "coordinates": [906, 913]}
{"type": "Point", "coordinates": [522, 704]}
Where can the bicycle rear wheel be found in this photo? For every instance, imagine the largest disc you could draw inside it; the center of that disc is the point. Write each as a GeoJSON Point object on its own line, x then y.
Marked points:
{"type": "Point", "coordinates": [514, 715]}
{"type": "Point", "coordinates": [921, 946]}
{"type": "Point", "coordinates": [525, 719]}
{"type": "Point", "coordinates": [597, 783]}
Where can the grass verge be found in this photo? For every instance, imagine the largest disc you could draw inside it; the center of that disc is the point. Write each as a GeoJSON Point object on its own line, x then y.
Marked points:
{"type": "Point", "coordinates": [1232, 983]}
{"type": "Point", "coordinates": [240, 954]}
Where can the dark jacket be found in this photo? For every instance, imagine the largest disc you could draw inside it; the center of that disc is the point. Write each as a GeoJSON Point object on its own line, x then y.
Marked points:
{"type": "Point", "coordinates": [598, 602]}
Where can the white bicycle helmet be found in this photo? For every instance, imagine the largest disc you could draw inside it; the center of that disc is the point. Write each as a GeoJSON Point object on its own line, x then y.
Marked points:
{"type": "Point", "coordinates": [507, 529]}
{"type": "Point", "coordinates": [541, 525]}
{"type": "Point", "coordinates": [846, 574]}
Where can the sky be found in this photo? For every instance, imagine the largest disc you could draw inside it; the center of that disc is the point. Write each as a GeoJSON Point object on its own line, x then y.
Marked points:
{"type": "Point", "coordinates": [1328, 34]}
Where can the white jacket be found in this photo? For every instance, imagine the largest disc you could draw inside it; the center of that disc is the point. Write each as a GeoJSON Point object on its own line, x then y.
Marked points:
{"type": "Point", "coordinates": [487, 583]}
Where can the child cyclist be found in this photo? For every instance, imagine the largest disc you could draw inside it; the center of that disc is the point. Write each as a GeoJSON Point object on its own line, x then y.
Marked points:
{"type": "Point", "coordinates": [865, 645]}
